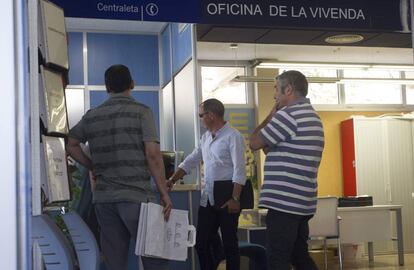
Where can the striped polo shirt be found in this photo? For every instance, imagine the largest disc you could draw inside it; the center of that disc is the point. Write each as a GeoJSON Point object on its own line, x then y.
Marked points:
{"type": "Point", "coordinates": [295, 138]}
{"type": "Point", "coordinates": [116, 131]}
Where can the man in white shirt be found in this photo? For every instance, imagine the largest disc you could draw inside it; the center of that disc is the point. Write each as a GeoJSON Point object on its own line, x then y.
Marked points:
{"type": "Point", "coordinates": [222, 150]}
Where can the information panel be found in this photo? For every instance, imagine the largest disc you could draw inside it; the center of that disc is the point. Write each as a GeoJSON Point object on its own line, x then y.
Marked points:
{"type": "Point", "coordinates": [56, 184]}
{"type": "Point", "coordinates": [54, 45]}
{"type": "Point", "coordinates": [54, 102]}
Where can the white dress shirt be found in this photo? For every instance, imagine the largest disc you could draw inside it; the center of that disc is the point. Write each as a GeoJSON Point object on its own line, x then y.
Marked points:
{"type": "Point", "coordinates": [223, 158]}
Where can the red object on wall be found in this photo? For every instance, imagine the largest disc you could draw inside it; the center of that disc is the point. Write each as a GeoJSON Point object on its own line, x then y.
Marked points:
{"type": "Point", "coordinates": [348, 157]}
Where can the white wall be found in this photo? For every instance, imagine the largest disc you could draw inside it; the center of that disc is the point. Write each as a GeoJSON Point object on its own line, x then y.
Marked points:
{"type": "Point", "coordinates": [8, 201]}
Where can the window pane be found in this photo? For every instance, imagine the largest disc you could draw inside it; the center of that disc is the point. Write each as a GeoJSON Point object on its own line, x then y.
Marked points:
{"type": "Point", "coordinates": [409, 74]}
{"type": "Point", "coordinates": [320, 93]}
{"type": "Point", "coordinates": [360, 73]}
{"type": "Point", "coordinates": [323, 93]}
{"type": "Point", "coordinates": [372, 93]}
{"type": "Point", "coordinates": [409, 90]}
{"type": "Point", "coordinates": [216, 83]}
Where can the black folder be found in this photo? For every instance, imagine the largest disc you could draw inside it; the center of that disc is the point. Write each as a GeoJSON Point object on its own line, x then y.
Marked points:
{"type": "Point", "coordinates": [223, 191]}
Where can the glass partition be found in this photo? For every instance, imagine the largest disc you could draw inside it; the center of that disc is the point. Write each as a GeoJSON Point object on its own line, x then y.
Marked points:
{"type": "Point", "coordinates": [185, 107]}
{"type": "Point", "coordinates": [167, 118]}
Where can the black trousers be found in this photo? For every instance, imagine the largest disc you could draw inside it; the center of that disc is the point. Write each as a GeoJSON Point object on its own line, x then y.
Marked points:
{"type": "Point", "coordinates": [287, 241]}
{"type": "Point", "coordinates": [209, 220]}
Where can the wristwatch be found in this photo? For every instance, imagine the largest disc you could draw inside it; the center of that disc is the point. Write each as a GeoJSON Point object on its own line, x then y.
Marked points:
{"type": "Point", "coordinates": [236, 199]}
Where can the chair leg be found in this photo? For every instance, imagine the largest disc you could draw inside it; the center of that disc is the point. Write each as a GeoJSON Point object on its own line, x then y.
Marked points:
{"type": "Point", "coordinates": [325, 254]}
{"type": "Point", "coordinates": [340, 253]}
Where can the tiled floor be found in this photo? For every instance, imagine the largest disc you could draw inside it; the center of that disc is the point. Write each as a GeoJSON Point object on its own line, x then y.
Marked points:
{"type": "Point", "coordinates": [381, 262]}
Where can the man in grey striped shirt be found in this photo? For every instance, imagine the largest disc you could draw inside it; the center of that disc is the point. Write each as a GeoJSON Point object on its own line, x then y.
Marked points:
{"type": "Point", "coordinates": [292, 138]}
{"type": "Point", "coordinates": [125, 152]}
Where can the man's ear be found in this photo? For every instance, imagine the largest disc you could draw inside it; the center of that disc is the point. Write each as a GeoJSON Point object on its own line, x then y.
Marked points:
{"type": "Point", "coordinates": [289, 90]}
{"type": "Point", "coordinates": [132, 84]}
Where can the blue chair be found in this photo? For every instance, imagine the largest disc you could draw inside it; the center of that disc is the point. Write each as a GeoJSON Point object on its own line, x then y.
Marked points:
{"type": "Point", "coordinates": [256, 254]}
{"type": "Point", "coordinates": [57, 253]}
{"type": "Point", "coordinates": [83, 241]}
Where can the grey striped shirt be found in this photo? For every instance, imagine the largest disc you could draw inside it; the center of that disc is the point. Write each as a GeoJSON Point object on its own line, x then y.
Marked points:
{"type": "Point", "coordinates": [296, 140]}
{"type": "Point", "coordinates": [116, 131]}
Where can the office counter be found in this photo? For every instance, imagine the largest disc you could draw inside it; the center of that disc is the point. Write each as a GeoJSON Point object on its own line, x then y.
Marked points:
{"type": "Point", "coordinates": [185, 187]}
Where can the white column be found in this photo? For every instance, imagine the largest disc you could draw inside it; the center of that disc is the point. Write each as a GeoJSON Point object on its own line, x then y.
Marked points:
{"type": "Point", "coordinates": [8, 198]}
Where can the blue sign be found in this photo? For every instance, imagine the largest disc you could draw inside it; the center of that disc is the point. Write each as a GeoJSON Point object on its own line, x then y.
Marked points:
{"type": "Point", "coordinates": [139, 10]}
{"type": "Point", "coordinates": [378, 15]}
{"type": "Point", "coordinates": [317, 14]}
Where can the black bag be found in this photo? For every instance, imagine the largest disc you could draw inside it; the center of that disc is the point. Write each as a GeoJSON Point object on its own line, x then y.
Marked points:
{"type": "Point", "coordinates": [223, 191]}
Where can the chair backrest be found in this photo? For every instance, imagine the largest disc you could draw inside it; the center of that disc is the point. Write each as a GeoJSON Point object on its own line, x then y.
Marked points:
{"type": "Point", "coordinates": [83, 241]}
{"type": "Point", "coordinates": [325, 221]}
{"type": "Point", "coordinates": [56, 250]}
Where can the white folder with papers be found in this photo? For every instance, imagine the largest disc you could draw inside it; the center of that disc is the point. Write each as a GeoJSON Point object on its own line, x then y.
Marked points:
{"type": "Point", "coordinates": [161, 239]}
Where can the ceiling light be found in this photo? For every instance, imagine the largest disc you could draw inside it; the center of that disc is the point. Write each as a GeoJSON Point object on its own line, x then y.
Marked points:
{"type": "Point", "coordinates": [344, 39]}
{"type": "Point", "coordinates": [252, 79]}
{"type": "Point", "coordinates": [312, 65]}
{"type": "Point", "coordinates": [272, 79]}
{"type": "Point", "coordinates": [233, 46]}
{"type": "Point", "coordinates": [258, 79]}
{"type": "Point", "coordinates": [268, 63]}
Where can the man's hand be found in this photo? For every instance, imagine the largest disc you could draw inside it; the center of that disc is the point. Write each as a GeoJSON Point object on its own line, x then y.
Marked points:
{"type": "Point", "coordinates": [233, 206]}
{"type": "Point", "coordinates": [178, 174]}
{"type": "Point", "coordinates": [166, 202]}
{"type": "Point", "coordinates": [170, 184]}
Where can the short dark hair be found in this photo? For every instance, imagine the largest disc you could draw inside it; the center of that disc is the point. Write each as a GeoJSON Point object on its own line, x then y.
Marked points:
{"type": "Point", "coordinates": [117, 79]}
{"type": "Point", "coordinates": [213, 105]}
{"type": "Point", "coordinates": [296, 79]}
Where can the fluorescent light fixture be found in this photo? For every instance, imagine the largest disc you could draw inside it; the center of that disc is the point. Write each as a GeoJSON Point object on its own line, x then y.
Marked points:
{"type": "Point", "coordinates": [252, 79]}
{"type": "Point", "coordinates": [272, 79]}
{"type": "Point", "coordinates": [266, 63]}
{"type": "Point", "coordinates": [377, 80]}
{"type": "Point", "coordinates": [257, 79]}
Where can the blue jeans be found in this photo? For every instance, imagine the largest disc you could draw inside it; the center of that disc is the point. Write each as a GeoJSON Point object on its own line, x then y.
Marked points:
{"type": "Point", "coordinates": [119, 224]}
{"type": "Point", "coordinates": [287, 241]}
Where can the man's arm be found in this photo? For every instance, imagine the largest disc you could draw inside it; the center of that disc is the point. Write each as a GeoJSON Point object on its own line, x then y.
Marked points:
{"type": "Point", "coordinates": [156, 167]}
{"type": "Point", "coordinates": [237, 151]}
{"type": "Point", "coordinates": [75, 151]}
{"type": "Point", "coordinates": [256, 141]}
{"type": "Point", "coordinates": [191, 161]}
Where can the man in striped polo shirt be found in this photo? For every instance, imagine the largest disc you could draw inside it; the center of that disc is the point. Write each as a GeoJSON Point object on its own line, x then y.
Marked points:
{"type": "Point", "coordinates": [125, 152]}
{"type": "Point", "coordinates": [292, 138]}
